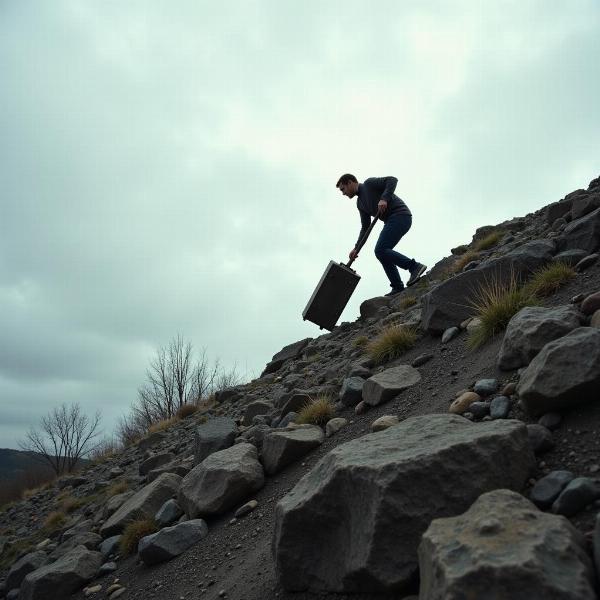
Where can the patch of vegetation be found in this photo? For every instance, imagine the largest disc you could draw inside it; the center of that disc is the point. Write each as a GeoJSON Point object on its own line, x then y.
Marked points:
{"type": "Point", "coordinates": [117, 488]}
{"type": "Point", "coordinates": [134, 532]}
{"type": "Point", "coordinates": [55, 520]}
{"type": "Point", "coordinates": [495, 303]}
{"type": "Point", "coordinates": [392, 343]}
{"type": "Point", "coordinates": [464, 260]}
{"type": "Point", "coordinates": [489, 241]}
{"type": "Point", "coordinates": [549, 279]}
{"type": "Point", "coordinates": [162, 425]}
{"type": "Point", "coordinates": [407, 302]}
{"type": "Point", "coordinates": [186, 410]}
{"type": "Point", "coordinates": [19, 548]}
{"type": "Point", "coordinates": [361, 341]}
{"type": "Point", "coordinates": [68, 505]}
{"type": "Point", "coordinates": [316, 412]}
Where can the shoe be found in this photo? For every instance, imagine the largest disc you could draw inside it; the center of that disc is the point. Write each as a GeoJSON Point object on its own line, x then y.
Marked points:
{"type": "Point", "coordinates": [416, 273]}
{"type": "Point", "coordinates": [394, 292]}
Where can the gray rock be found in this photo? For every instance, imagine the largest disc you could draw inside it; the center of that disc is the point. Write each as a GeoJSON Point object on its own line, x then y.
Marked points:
{"type": "Point", "coordinates": [214, 435]}
{"type": "Point", "coordinates": [22, 567]}
{"type": "Point", "coordinates": [106, 568]}
{"type": "Point", "coordinates": [245, 509]}
{"type": "Point", "coordinates": [485, 387]}
{"type": "Point", "coordinates": [421, 360]}
{"type": "Point", "coordinates": [531, 329]}
{"type": "Point", "coordinates": [335, 529]}
{"type": "Point", "coordinates": [334, 425]}
{"type": "Point", "coordinates": [584, 204]}
{"type": "Point", "coordinates": [557, 210]}
{"type": "Point", "coordinates": [170, 542]}
{"type": "Point", "coordinates": [110, 545]}
{"type": "Point", "coordinates": [151, 440]}
{"type": "Point", "coordinates": [540, 438]}
{"type": "Point", "coordinates": [288, 418]}
{"type": "Point", "coordinates": [579, 492]}
{"type": "Point", "coordinates": [286, 353]}
{"type": "Point", "coordinates": [548, 488]}
{"type": "Point", "coordinates": [587, 262]}
{"type": "Point", "coordinates": [181, 468]}
{"type": "Point", "coordinates": [114, 503]}
{"type": "Point", "coordinates": [143, 504]}
{"type": "Point", "coordinates": [566, 372]}
{"type": "Point", "coordinates": [450, 334]}
{"type": "Point", "coordinates": [550, 420]}
{"type": "Point", "coordinates": [570, 257]}
{"type": "Point", "coordinates": [583, 233]}
{"type": "Point", "coordinates": [63, 577]}
{"type": "Point", "coordinates": [295, 402]}
{"type": "Point", "coordinates": [155, 461]}
{"type": "Point", "coordinates": [370, 308]}
{"type": "Point", "coordinates": [596, 545]}
{"type": "Point", "coordinates": [280, 448]}
{"type": "Point", "coordinates": [504, 548]}
{"type": "Point", "coordinates": [389, 383]}
{"type": "Point", "coordinates": [87, 539]}
{"type": "Point", "coordinates": [479, 409]}
{"type": "Point", "coordinates": [351, 391]}
{"type": "Point", "coordinates": [256, 409]}
{"type": "Point", "coordinates": [221, 481]}
{"type": "Point", "coordinates": [168, 513]}
{"type": "Point", "coordinates": [500, 407]}
{"type": "Point", "coordinates": [81, 527]}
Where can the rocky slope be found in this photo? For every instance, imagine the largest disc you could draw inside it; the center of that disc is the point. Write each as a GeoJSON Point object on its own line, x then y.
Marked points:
{"type": "Point", "coordinates": [496, 499]}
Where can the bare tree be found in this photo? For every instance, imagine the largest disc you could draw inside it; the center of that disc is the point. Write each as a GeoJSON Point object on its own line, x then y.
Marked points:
{"type": "Point", "coordinates": [63, 437]}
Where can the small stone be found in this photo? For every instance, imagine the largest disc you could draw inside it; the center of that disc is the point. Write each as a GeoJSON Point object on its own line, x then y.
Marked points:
{"type": "Point", "coordinates": [550, 420]}
{"type": "Point", "coordinates": [89, 591]}
{"type": "Point", "coordinates": [500, 407]}
{"type": "Point", "coordinates": [334, 425]}
{"type": "Point", "coordinates": [485, 387]}
{"type": "Point", "coordinates": [479, 409]}
{"type": "Point", "coordinates": [463, 402]}
{"type": "Point", "coordinates": [594, 468]}
{"type": "Point", "coordinates": [384, 422]}
{"type": "Point", "coordinates": [113, 588]}
{"type": "Point", "coordinates": [246, 508]}
{"type": "Point", "coordinates": [577, 299]}
{"type": "Point", "coordinates": [118, 593]}
{"type": "Point", "coordinates": [421, 360]}
{"type": "Point", "coordinates": [586, 262]}
{"type": "Point", "coordinates": [540, 438]}
{"type": "Point", "coordinates": [509, 389]}
{"type": "Point", "coordinates": [548, 488]}
{"type": "Point", "coordinates": [450, 334]}
{"type": "Point", "coordinates": [360, 408]}
{"type": "Point", "coordinates": [108, 567]}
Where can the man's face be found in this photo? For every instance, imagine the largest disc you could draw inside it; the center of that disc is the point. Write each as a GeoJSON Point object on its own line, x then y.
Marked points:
{"type": "Point", "coordinates": [349, 189]}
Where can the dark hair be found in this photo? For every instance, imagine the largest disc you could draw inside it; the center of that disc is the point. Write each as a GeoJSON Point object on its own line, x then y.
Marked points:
{"type": "Point", "coordinates": [344, 179]}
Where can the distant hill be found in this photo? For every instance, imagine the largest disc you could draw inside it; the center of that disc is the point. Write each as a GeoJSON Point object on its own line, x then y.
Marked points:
{"type": "Point", "coordinates": [15, 463]}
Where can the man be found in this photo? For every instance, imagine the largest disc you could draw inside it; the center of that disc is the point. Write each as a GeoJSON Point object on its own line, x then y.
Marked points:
{"type": "Point", "coordinates": [376, 197]}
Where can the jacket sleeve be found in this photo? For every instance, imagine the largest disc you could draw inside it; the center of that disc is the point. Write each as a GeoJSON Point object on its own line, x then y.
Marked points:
{"type": "Point", "coordinates": [365, 221]}
{"type": "Point", "coordinates": [385, 186]}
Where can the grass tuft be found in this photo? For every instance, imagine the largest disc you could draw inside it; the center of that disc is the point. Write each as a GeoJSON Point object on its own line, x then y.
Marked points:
{"type": "Point", "coordinates": [407, 302]}
{"type": "Point", "coordinates": [134, 532]}
{"type": "Point", "coordinates": [489, 241]}
{"type": "Point", "coordinates": [464, 260]}
{"type": "Point", "coordinates": [162, 425]}
{"type": "Point", "coordinates": [495, 303]}
{"type": "Point", "coordinates": [186, 410]}
{"type": "Point", "coordinates": [392, 343]}
{"type": "Point", "coordinates": [549, 279]}
{"type": "Point", "coordinates": [361, 341]}
{"type": "Point", "coordinates": [55, 520]}
{"type": "Point", "coordinates": [316, 412]}
{"type": "Point", "coordinates": [117, 488]}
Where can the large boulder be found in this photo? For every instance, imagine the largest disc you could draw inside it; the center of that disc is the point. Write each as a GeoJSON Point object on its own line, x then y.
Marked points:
{"type": "Point", "coordinates": [531, 329]}
{"type": "Point", "coordinates": [214, 435]}
{"type": "Point", "coordinates": [582, 233]}
{"type": "Point", "coordinates": [25, 565]}
{"type": "Point", "coordinates": [89, 539]}
{"type": "Point", "coordinates": [585, 204]}
{"type": "Point", "coordinates": [281, 448]}
{"type": "Point", "coordinates": [286, 353]}
{"type": "Point", "coordinates": [389, 383]}
{"type": "Point", "coordinates": [566, 372]}
{"type": "Point", "coordinates": [155, 461]}
{"type": "Point", "coordinates": [142, 505]}
{"type": "Point", "coordinates": [63, 577]}
{"type": "Point", "coordinates": [451, 302]}
{"type": "Point", "coordinates": [504, 547]}
{"type": "Point", "coordinates": [170, 542]}
{"type": "Point", "coordinates": [223, 480]}
{"type": "Point", "coordinates": [255, 409]}
{"type": "Point", "coordinates": [354, 522]}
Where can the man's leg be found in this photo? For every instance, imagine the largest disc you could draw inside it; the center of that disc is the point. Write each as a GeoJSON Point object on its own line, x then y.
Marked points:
{"type": "Point", "coordinates": [393, 230]}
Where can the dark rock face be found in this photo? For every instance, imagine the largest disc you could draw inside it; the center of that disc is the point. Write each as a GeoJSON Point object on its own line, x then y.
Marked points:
{"type": "Point", "coordinates": [286, 353]}
{"type": "Point", "coordinates": [218, 434]}
{"type": "Point", "coordinates": [25, 565]}
{"type": "Point", "coordinates": [503, 547]}
{"type": "Point", "coordinates": [582, 234]}
{"type": "Point", "coordinates": [354, 522]}
{"type": "Point", "coordinates": [281, 448]}
{"type": "Point", "coordinates": [170, 542]}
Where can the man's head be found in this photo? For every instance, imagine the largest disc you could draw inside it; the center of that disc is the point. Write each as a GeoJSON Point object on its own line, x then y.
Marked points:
{"type": "Point", "coordinates": [348, 185]}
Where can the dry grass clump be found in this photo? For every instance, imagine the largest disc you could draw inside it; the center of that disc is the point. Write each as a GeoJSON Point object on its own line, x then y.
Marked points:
{"type": "Point", "coordinates": [69, 504]}
{"type": "Point", "coordinates": [464, 260]}
{"type": "Point", "coordinates": [549, 279]}
{"type": "Point", "coordinates": [361, 341]}
{"type": "Point", "coordinates": [117, 488]}
{"type": "Point", "coordinates": [162, 425]}
{"type": "Point", "coordinates": [392, 343]}
{"type": "Point", "coordinates": [186, 410]}
{"type": "Point", "coordinates": [489, 241]}
{"type": "Point", "coordinates": [55, 520]}
{"type": "Point", "coordinates": [495, 303]}
{"type": "Point", "coordinates": [134, 532]}
{"type": "Point", "coordinates": [316, 412]}
{"type": "Point", "coordinates": [407, 302]}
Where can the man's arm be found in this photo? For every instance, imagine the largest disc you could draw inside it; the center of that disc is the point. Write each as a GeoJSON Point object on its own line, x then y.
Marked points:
{"type": "Point", "coordinates": [365, 222]}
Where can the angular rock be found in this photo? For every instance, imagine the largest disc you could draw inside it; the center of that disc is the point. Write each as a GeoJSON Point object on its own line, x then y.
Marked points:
{"type": "Point", "coordinates": [181, 468]}
{"type": "Point", "coordinates": [110, 545]}
{"type": "Point", "coordinates": [170, 542]}
{"type": "Point", "coordinates": [583, 233]}
{"type": "Point", "coordinates": [584, 204]}
{"type": "Point", "coordinates": [295, 402]}
{"type": "Point", "coordinates": [286, 353]}
{"type": "Point", "coordinates": [155, 461]}
{"type": "Point", "coordinates": [566, 372]}
{"type": "Point", "coordinates": [548, 488]}
{"type": "Point", "coordinates": [550, 420]}
{"type": "Point", "coordinates": [168, 513]}
{"type": "Point", "coordinates": [143, 504]}
{"type": "Point", "coordinates": [370, 308]}
{"type": "Point", "coordinates": [479, 409]}
{"type": "Point", "coordinates": [88, 539]}
{"type": "Point", "coordinates": [214, 435]}
{"type": "Point", "coordinates": [334, 425]}
{"type": "Point", "coordinates": [540, 438]}
{"type": "Point", "coordinates": [21, 568]}
{"type": "Point", "coordinates": [500, 407]}
{"type": "Point", "coordinates": [221, 481]}
{"type": "Point", "coordinates": [281, 448]}
{"type": "Point", "coordinates": [557, 210]}
{"type": "Point", "coordinates": [63, 577]}
{"type": "Point", "coordinates": [504, 547]}
{"type": "Point", "coordinates": [151, 440]}
{"type": "Point", "coordinates": [485, 387]}
{"type": "Point", "coordinates": [578, 493]}
{"type": "Point", "coordinates": [114, 503]}
{"type": "Point", "coordinates": [389, 383]}
{"type": "Point", "coordinates": [351, 391]}
{"type": "Point", "coordinates": [531, 329]}
{"type": "Point", "coordinates": [285, 421]}
{"type": "Point", "coordinates": [256, 408]}
{"type": "Point", "coordinates": [354, 522]}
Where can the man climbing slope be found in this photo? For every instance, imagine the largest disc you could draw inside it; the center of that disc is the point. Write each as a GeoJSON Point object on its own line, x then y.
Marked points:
{"type": "Point", "coordinates": [376, 197]}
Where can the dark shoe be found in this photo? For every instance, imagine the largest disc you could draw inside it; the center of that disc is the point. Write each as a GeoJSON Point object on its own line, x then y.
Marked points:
{"type": "Point", "coordinates": [416, 273]}
{"type": "Point", "coordinates": [395, 291]}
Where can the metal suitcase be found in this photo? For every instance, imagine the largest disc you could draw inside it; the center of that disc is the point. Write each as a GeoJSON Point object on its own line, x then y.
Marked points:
{"type": "Point", "coordinates": [334, 290]}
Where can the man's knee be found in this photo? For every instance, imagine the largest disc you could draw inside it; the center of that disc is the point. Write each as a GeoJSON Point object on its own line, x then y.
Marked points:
{"type": "Point", "coordinates": [381, 253]}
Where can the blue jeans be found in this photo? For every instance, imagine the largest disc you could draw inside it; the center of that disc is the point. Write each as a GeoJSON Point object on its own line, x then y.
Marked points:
{"type": "Point", "coordinates": [393, 230]}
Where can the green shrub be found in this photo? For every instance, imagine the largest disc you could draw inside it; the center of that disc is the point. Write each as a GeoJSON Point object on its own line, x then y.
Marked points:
{"type": "Point", "coordinates": [134, 532]}
{"type": "Point", "coordinates": [316, 412]}
{"type": "Point", "coordinates": [495, 303]}
{"type": "Point", "coordinates": [549, 279]}
{"type": "Point", "coordinates": [392, 343]}
{"type": "Point", "coordinates": [489, 241]}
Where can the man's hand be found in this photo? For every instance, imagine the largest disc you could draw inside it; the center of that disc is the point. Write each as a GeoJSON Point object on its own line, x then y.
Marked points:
{"type": "Point", "coordinates": [382, 206]}
{"type": "Point", "coordinates": [353, 254]}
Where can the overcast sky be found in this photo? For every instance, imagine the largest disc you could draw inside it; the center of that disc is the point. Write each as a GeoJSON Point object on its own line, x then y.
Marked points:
{"type": "Point", "coordinates": [169, 167]}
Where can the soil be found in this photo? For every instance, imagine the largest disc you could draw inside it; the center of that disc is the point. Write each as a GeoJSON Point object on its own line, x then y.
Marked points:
{"type": "Point", "coordinates": [234, 561]}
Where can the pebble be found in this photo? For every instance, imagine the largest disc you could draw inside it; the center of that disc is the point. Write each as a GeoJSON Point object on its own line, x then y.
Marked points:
{"type": "Point", "coordinates": [580, 492]}
{"type": "Point", "coordinates": [548, 488]}
{"type": "Point", "coordinates": [485, 387]}
{"type": "Point", "coordinates": [463, 402]}
{"type": "Point", "coordinates": [550, 420]}
{"type": "Point", "coordinates": [479, 409]}
{"type": "Point", "coordinates": [118, 593]}
{"type": "Point", "coordinates": [421, 360]}
{"type": "Point", "coordinates": [91, 590]}
{"type": "Point", "coordinates": [450, 334]}
{"type": "Point", "coordinates": [509, 389]}
{"type": "Point", "coordinates": [384, 422]}
{"type": "Point", "coordinates": [540, 438]}
{"type": "Point", "coordinates": [500, 407]}
{"type": "Point", "coordinates": [246, 508]}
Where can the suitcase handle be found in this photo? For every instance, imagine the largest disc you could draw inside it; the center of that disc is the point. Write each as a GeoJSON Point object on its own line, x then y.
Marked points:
{"type": "Point", "coordinates": [362, 240]}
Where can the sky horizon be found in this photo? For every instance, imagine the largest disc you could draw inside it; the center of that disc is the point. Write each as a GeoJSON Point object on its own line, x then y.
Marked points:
{"type": "Point", "coordinates": [170, 168]}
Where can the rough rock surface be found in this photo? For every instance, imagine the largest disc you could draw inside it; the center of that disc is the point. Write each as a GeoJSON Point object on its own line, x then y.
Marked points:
{"type": "Point", "coordinates": [25, 565]}
{"type": "Point", "coordinates": [389, 383]}
{"type": "Point", "coordinates": [504, 547]}
{"type": "Point", "coordinates": [170, 542]}
{"type": "Point", "coordinates": [336, 529]}
{"type": "Point", "coordinates": [217, 434]}
{"type": "Point", "coordinates": [281, 448]}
